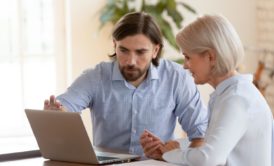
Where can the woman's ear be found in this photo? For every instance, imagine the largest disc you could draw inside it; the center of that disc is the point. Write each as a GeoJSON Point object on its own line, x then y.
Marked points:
{"type": "Point", "coordinates": [212, 56]}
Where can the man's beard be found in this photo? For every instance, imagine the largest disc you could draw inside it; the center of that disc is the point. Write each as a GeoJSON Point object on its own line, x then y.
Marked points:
{"type": "Point", "coordinates": [131, 73]}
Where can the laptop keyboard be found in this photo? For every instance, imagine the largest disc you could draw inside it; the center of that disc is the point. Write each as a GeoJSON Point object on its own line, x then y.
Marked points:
{"type": "Point", "coordinates": [103, 158]}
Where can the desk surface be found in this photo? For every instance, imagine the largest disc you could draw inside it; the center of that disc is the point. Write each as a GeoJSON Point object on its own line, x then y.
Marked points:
{"type": "Point", "coordinates": [39, 161]}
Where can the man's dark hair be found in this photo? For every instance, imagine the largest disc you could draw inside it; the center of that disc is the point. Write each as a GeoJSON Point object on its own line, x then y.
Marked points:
{"type": "Point", "coordinates": [139, 23]}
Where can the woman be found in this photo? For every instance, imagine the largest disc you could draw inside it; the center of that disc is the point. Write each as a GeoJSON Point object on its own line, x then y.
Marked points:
{"type": "Point", "coordinates": [240, 123]}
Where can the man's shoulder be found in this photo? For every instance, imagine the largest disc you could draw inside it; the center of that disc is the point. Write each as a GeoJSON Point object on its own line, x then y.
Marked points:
{"type": "Point", "coordinates": [100, 71]}
{"type": "Point", "coordinates": [102, 66]}
{"type": "Point", "coordinates": [105, 65]}
{"type": "Point", "coordinates": [170, 66]}
{"type": "Point", "coordinates": [167, 62]}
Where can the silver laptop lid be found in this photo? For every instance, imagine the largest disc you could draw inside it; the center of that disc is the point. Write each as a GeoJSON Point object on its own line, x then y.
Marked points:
{"type": "Point", "coordinates": [62, 136]}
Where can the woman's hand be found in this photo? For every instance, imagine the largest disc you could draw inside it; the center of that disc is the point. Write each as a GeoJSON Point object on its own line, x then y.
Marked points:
{"type": "Point", "coordinates": [170, 145]}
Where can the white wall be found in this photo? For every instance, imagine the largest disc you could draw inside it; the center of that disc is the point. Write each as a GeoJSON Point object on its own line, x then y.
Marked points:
{"type": "Point", "coordinates": [88, 45]}
{"type": "Point", "coordinates": [241, 13]}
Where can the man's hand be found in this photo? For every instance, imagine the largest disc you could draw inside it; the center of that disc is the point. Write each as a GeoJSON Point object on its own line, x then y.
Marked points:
{"type": "Point", "coordinates": [53, 104]}
{"type": "Point", "coordinates": [151, 145]}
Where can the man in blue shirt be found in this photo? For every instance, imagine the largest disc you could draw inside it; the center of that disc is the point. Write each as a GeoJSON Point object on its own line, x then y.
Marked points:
{"type": "Point", "coordinates": [137, 91]}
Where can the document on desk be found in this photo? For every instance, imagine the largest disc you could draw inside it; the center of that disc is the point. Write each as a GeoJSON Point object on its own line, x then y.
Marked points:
{"type": "Point", "coordinates": [146, 163]}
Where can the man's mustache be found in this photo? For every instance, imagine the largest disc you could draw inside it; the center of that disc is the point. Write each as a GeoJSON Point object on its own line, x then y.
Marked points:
{"type": "Point", "coordinates": [130, 67]}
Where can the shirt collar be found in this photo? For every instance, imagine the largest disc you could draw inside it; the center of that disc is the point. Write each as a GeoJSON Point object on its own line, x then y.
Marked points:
{"type": "Point", "coordinates": [229, 82]}
{"type": "Point", "coordinates": [117, 75]}
{"type": "Point", "coordinates": [153, 72]}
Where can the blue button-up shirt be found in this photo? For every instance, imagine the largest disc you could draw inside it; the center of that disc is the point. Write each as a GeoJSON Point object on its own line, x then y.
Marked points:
{"type": "Point", "coordinates": [121, 112]}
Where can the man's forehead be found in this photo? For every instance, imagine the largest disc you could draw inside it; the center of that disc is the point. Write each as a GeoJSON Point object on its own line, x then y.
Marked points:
{"type": "Point", "coordinates": [140, 48]}
{"type": "Point", "coordinates": [139, 38]}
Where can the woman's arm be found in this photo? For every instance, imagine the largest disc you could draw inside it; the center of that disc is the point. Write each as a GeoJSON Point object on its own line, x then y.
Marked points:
{"type": "Point", "coordinates": [227, 126]}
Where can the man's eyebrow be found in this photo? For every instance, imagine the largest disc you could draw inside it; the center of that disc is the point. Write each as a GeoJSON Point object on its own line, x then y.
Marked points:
{"type": "Point", "coordinates": [142, 49]}
{"type": "Point", "coordinates": [138, 50]}
{"type": "Point", "coordinates": [121, 47]}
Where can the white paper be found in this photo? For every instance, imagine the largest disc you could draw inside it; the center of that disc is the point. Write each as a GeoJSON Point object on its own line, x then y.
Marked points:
{"type": "Point", "coordinates": [146, 163]}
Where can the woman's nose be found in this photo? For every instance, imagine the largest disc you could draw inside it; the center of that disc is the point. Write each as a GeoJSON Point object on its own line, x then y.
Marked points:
{"type": "Point", "coordinates": [186, 66]}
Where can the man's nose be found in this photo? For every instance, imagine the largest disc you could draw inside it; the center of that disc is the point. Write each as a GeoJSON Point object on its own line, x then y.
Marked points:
{"type": "Point", "coordinates": [131, 60]}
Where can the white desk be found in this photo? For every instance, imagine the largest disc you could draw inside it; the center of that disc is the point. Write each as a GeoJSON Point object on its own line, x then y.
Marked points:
{"type": "Point", "coordinates": [39, 161]}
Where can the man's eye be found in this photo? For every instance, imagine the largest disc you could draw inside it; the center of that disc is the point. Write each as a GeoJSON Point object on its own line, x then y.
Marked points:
{"type": "Point", "coordinates": [140, 52]}
{"type": "Point", "coordinates": [122, 50]}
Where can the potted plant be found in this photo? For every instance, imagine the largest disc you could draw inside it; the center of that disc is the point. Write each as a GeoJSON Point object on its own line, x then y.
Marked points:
{"type": "Point", "coordinates": [162, 10]}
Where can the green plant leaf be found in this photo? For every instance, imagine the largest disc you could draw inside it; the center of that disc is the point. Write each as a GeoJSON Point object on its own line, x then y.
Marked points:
{"type": "Point", "coordinates": [119, 12]}
{"type": "Point", "coordinates": [110, 3]}
{"type": "Point", "coordinates": [143, 5]}
{"type": "Point", "coordinates": [166, 31]}
{"type": "Point", "coordinates": [171, 4]}
{"type": "Point", "coordinates": [176, 17]}
{"type": "Point", "coordinates": [115, 9]}
{"type": "Point", "coordinates": [125, 5]}
{"type": "Point", "coordinates": [152, 10]}
{"type": "Point", "coordinates": [189, 8]}
{"type": "Point", "coordinates": [179, 60]}
{"type": "Point", "coordinates": [160, 7]}
{"type": "Point", "coordinates": [106, 16]}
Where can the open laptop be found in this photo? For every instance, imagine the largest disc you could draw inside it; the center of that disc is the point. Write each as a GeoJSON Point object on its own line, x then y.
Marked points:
{"type": "Point", "coordinates": [62, 136]}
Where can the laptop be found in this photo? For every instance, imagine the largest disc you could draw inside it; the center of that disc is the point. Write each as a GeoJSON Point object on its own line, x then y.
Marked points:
{"type": "Point", "coordinates": [62, 136]}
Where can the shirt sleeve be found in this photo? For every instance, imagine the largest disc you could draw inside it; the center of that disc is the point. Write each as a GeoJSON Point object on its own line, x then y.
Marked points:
{"type": "Point", "coordinates": [81, 92]}
{"type": "Point", "coordinates": [190, 110]}
{"type": "Point", "coordinates": [228, 128]}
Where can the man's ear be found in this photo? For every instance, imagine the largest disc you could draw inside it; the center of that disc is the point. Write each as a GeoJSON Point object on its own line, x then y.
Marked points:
{"type": "Point", "coordinates": [114, 43]}
{"type": "Point", "coordinates": [156, 50]}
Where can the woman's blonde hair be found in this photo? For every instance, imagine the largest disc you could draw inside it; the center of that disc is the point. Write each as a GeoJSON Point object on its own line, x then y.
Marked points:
{"type": "Point", "coordinates": [213, 33]}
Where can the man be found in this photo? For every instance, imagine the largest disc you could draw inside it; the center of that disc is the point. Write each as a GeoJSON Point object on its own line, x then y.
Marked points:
{"type": "Point", "coordinates": [136, 91]}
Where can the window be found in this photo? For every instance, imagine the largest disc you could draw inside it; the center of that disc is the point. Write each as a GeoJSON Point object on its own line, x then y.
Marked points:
{"type": "Point", "coordinates": [27, 65]}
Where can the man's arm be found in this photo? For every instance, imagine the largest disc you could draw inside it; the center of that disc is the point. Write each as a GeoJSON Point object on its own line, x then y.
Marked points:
{"type": "Point", "coordinates": [190, 110]}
